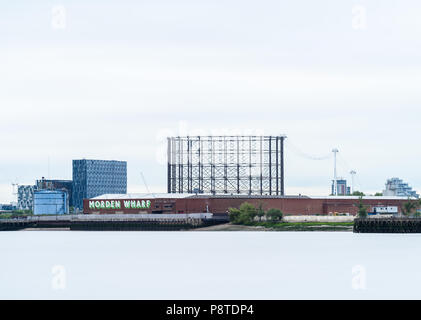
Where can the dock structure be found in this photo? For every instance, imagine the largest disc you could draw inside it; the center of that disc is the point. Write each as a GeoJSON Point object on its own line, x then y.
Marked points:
{"type": "Point", "coordinates": [123, 222]}
{"type": "Point", "coordinates": [37, 222]}
{"type": "Point", "coordinates": [387, 225]}
{"type": "Point", "coordinates": [141, 222]}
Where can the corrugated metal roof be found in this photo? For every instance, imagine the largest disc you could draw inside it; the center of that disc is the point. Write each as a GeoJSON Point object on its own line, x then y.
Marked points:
{"type": "Point", "coordinates": [143, 196]}
{"type": "Point", "coordinates": [247, 196]}
{"type": "Point", "coordinates": [364, 198]}
{"type": "Point", "coordinates": [185, 195]}
{"type": "Point", "coordinates": [238, 196]}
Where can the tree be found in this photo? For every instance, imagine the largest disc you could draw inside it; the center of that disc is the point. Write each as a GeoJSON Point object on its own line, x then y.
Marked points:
{"type": "Point", "coordinates": [417, 212]}
{"type": "Point", "coordinates": [247, 212]}
{"type": "Point", "coordinates": [234, 214]}
{"type": "Point", "coordinates": [274, 214]}
{"type": "Point", "coordinates": [244, 215]}
{"type": "Point", "coordinates": [260, 212]}
{"type": "Point", "coordinates": [358, 194]}
{"type": "Point", "coordinates": [378, 194]}
{"type": "Point", "coordinates": [409, 206]}
{"type": "Point", "coordinates": [362, 209]}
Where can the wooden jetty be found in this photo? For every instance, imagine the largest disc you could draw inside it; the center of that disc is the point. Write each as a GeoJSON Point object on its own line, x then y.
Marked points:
{"type": "Point", "coordinates": [387, 225]}
{"type": "Point", "coordinates": [114, 222]}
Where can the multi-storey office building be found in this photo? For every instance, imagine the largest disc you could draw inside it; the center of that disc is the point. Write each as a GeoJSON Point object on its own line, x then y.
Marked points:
{"type": "Point", "coordinates": [92, 178]}
{"type": "Point", "coordinates": [341, 187]}
{"type": "Point", "coordinates": [26, 197]}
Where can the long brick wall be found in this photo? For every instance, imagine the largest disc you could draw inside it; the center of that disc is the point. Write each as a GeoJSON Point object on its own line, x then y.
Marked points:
{"type": "Point", "coordinates": [220, 205]}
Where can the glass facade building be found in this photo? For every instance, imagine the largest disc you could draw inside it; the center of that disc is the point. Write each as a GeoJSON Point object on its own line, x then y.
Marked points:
{"type": "Point", "coordinates": [342, 188]}
{"type": "Point", "coordinates": [397, 187]}
{"type": "Point", "coordinates": [92, 178]}
{"type": "Point", "coordinates": [26, 197]}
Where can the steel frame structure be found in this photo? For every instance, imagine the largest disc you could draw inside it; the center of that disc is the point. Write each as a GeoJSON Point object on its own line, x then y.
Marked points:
{"type": "Point", "coordinates": [226, 165]}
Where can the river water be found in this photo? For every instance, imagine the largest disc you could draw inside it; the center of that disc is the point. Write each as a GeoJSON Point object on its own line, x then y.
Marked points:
{"type": "Point", "coordinates": [209, 265]}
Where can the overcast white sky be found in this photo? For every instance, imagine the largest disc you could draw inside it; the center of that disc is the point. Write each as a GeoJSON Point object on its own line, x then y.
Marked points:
{"type": "Point", "coordinates": [121, 75]}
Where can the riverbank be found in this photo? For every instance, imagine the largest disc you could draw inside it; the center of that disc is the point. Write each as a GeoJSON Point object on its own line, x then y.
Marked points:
{"type": "Point", "coordinates": [283, 226]}
{"type": "Point", "coordinates": [173, 223]}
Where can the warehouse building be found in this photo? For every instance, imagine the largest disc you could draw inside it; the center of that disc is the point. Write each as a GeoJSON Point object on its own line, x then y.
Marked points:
{"type": "Point", "coordinates": [220, 204]}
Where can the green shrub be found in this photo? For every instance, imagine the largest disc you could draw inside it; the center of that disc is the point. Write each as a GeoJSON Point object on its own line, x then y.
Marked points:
{"type": "Point", "coordinates": [274, 215]}
{"type": "Point", "coordinates": [260, 212]}
{"type": "Point", "coordinates": [234, 214]}
{"type": "Point", "coordinates": [244, 215]}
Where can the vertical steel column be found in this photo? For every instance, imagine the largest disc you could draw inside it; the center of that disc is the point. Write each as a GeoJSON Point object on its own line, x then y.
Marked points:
{"type": "Point", "coordinates": [200, 165]}
{"type": "Point", "coordinates": [174, 165]}
{"type": "Point", "coordinates": [212, 166]}
{"type": "Point", "coordinates": [188, 165]}
{"type": "Point", "coordinates": [238, 165]}
{"type": "Point", "coordinates": [169, 165]}
{"type": "Point", "coordinates": [282, 167]}
{"type": "Point", "coordinates": [180, 166]}
{"type": "Point", "coordinates": [250, 150]}
{"type": "Point", "coordinates": [270, 165]}
{"type": "Point", "coordinates": [261, 165]}
{"type": "Point", "coordinates": [277, 166]}
{"type": "Point", "coordinates": [225, 166]}
{"type": "Point", "coordinates": [190, 155]}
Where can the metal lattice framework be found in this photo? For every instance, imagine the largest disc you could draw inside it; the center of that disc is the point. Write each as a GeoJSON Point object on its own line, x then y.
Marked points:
{"type": "Point", "coordinates": [226, 165]}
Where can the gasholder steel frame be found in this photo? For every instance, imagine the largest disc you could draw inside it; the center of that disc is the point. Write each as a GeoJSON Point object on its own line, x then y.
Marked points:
{"type": "Point", "coordinates": [226, 165]}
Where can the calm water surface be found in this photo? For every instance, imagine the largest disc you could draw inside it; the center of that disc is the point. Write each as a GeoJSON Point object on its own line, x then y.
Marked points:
{"type": "Point", "coordinates": [208, 265]}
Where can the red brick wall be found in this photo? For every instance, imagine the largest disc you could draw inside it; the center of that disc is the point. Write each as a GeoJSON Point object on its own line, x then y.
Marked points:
{"type": "Point", "coordinates": [289, 206]}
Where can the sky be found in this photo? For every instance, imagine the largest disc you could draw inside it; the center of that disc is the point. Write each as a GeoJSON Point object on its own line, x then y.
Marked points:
{"type": "Point", "coordinates": [112, 79]}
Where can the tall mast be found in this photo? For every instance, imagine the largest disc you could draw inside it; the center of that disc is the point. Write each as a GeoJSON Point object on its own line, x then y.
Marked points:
{"type": "Point", "coordinates": [335, 177]}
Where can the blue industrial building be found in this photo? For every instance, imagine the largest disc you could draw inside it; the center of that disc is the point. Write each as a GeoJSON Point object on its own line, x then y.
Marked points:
{"type": "Point", "coordinates": [48, 184]}
{"type": "Point", "coordinates": [51, 202]}
{"type": "Point", "coordinates": [92, 178]}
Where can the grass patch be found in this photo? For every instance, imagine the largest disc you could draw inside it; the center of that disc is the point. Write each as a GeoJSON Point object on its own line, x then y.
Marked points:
{"type": "Point", "coordinates": [304, 226]}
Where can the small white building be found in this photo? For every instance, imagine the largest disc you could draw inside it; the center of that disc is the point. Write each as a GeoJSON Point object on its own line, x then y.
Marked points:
{"type": "Point", "coordinates": [386, 210]}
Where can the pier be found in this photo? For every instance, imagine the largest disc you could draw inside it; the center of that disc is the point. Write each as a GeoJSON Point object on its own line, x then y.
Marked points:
{"type": "Point", "coordinates": [113, 222]}
{"type": "Point", "coordinates": [387, 225]}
